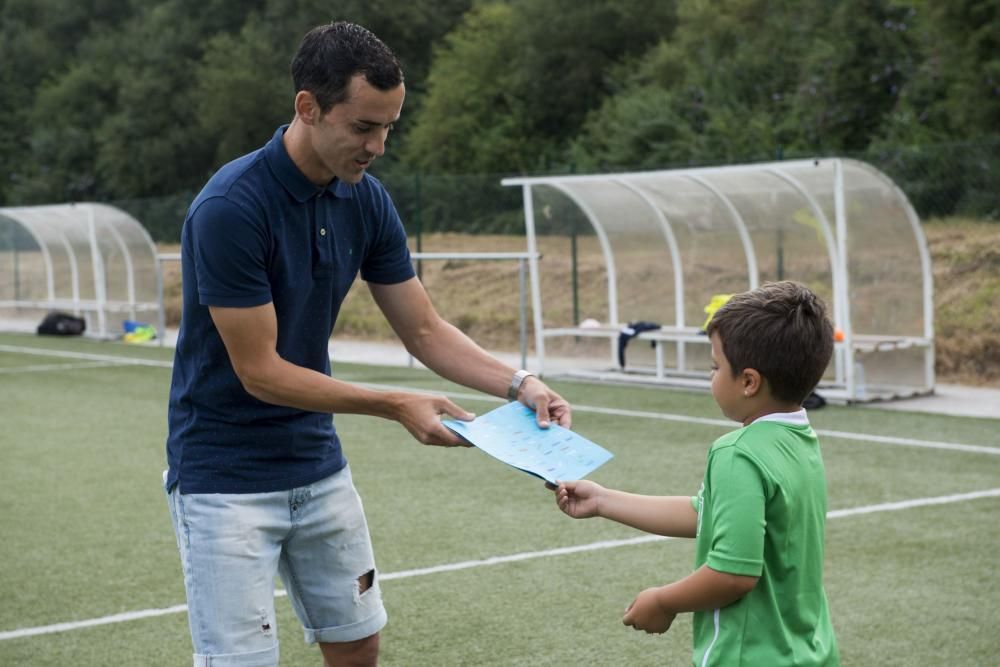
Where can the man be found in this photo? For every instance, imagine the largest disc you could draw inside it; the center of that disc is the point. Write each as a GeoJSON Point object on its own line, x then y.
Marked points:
{"type": "Point", "coordinates": [257, 481]}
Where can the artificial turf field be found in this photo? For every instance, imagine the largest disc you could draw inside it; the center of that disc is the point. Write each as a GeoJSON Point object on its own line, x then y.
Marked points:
{"type": "Point", "coordinates": [478, 566]}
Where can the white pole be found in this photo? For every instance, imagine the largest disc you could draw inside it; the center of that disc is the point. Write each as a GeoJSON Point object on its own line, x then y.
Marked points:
{"type": "Point", "coordinates": [840, 220]}
{"type": "Point", "coordinates": [536, 290]}
{"type": "Point", "coordinates": [100, 291]}
{"type": "Point", "coordinates": [609, 260]}
{"type": "Point", "coordinates": [675, 259]}
{"type": "Point", "coordinates": [753, 274]}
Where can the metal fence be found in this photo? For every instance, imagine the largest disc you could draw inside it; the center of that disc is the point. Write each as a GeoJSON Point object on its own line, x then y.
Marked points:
{"type": "Point", "coordinates": [954, 179]}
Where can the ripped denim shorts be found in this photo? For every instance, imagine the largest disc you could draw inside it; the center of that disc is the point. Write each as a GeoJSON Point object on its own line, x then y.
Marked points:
{"type": "Point", "coordinates": [232, 546]}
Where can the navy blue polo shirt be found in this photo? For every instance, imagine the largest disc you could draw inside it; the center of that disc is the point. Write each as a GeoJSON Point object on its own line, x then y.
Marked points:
{"type": "Point", "coordinates": [260, 232]}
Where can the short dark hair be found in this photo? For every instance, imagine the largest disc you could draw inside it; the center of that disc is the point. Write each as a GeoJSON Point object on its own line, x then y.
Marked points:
{"type": "Point", "coordinates": [782, 331]}
{"type": "Point", "coordinates": [331, 55]}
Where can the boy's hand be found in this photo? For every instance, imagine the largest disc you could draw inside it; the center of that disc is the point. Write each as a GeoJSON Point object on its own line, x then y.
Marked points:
{"type": "Point", "coordinates": [645, 613]}
{"type": "Point", "coordinates": [578, 499]}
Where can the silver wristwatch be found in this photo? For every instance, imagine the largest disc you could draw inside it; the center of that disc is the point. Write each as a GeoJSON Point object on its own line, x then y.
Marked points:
{"type": "Point", "coordinates": [516, 382]}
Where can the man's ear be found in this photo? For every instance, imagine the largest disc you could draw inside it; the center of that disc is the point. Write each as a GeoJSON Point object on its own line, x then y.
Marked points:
{"type": "Point", "coordinates": [752, 382]}
{"type": "Point", "coordinates": [307, 108]}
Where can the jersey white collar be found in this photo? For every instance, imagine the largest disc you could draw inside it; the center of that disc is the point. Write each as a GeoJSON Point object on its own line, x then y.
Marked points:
{"type": "Point", "coordinates": [797, 418]}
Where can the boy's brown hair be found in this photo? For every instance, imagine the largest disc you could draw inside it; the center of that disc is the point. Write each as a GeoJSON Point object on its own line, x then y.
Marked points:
{"type": "Point", "coordinates": [781, 330]}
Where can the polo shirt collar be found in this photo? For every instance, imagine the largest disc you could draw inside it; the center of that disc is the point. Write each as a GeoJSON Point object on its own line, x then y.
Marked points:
{"type": "Point", "coordinates": [292, 178]}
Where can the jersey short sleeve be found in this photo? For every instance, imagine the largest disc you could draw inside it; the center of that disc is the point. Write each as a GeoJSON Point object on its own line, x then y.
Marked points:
{"type": "Point", "coordinates": [230, 249]}
{"type": "Point", "coordinates": [387, 260]}
{"type": "Point", "coordinates": [737, 514]}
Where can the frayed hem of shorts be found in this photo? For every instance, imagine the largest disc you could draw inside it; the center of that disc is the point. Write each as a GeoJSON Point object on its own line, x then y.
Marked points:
{"type": "Point", "coordinates": [348, 633]}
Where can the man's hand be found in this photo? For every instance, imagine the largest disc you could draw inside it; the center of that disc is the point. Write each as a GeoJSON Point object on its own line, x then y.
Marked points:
{"type": "Point", "coordinates": [645, 613]}
{"type": "Point", "coordinates": [420, 414]}
{"type": "Point", "coordinates": [578, 499]}
{"type": "Point", "coordinates": [547, 404]}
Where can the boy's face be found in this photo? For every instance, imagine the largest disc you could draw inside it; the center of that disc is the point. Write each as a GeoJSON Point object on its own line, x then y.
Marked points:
{"type": "Point", "coordinates": [726, 389]}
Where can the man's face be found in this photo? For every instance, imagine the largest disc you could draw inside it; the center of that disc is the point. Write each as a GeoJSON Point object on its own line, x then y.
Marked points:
{"type": "Point", "coordinates": [353, 133]}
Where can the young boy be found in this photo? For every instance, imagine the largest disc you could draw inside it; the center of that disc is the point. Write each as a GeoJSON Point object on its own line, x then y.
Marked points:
{"type": "Point", "coordinates": [757, 589]}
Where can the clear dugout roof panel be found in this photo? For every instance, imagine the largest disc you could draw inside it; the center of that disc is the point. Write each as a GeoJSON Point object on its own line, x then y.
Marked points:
{"type": "Point", "coordinates": [662, 244]}
{"type": "Point", "coordinates": [91, 260]}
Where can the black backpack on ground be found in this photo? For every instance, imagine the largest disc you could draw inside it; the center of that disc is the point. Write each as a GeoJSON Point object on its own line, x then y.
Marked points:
{"type": "Point", "coordinates": [813, 401]}
{"type": "Point", "coordinates": [61, 324]}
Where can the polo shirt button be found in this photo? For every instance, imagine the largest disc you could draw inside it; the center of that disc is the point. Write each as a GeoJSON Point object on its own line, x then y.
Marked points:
{"type": "Point", "coordinates": [322, 231]}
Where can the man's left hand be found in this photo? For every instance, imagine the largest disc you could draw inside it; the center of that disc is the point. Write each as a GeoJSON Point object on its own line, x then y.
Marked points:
{"type": "Point", "coordinates": [547, 404]}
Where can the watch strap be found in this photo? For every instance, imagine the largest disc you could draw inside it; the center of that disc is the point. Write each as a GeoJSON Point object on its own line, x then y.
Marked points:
{"type": "Point", "coordinates": [516, 382]}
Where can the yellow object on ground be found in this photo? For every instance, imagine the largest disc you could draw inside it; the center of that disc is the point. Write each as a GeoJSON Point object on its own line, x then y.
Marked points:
{"type": "Point", "coordinates": [718, 301]}
{"type": "Point", "coordinates": [140, 334]}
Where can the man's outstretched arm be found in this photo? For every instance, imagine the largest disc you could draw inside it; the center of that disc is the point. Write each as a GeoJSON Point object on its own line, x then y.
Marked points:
{"type": "Point", "coordinates": [447, 351]}
{"type": "Point", "coordinates": [250, 336]}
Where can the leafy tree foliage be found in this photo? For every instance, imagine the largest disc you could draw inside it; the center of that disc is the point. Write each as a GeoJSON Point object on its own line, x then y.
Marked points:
{"type": "Point", "coordinates": [514, 81]}
{"type": "Point", "coordinates": [743, 80]}
{"type": "Point", "coordinates": [856, 70]}
{"type": "Point", "coordinates": [121, 100]}
{"type": "Point", "coordinates": [38, 39]}
{"type": "Point", "coordinates": [955, 87]}
{"type": "Point", "coordinates": [133, 99]}
{"type": "Point", "coordinates": [471, 116]}
{"type": "Point", "coordinates": [951, 104]}
{"type": "Point", "coordinates": [753, 79]}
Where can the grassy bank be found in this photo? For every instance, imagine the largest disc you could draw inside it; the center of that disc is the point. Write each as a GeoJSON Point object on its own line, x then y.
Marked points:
{"type": "Point", "coordinates": [966, 259]}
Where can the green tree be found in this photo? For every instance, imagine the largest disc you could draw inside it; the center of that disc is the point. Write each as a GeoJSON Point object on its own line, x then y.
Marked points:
{"type": "Point", "coordinates": [150, 99]}
{"type": "Point", "coordinates": [149, 144]}
{"type": "Point", "coordinates": [513, 82]}
{"type": "Point", "coordinates": [709, 91]}
{"type": "Point", "coordinates": [242, 88]}
{"type": "Point", "coordinates": [470, 118]}
{"type": "Point", "coordinates": [852, 75]}
{"type": "Point", "coordinates": [753, 79]}
{"type": "Point", "coordinates": [954, 92]}
{"type": "Point", "coordinates": [942, 141]}
{"type": "Point", "coordinates": [38, 39]}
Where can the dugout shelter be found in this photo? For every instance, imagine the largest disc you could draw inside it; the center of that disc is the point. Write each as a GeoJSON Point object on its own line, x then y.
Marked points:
{"type": "Point", "coordinates": [659, 246]}
{"type": "Point", "coordinates": [87, 259]}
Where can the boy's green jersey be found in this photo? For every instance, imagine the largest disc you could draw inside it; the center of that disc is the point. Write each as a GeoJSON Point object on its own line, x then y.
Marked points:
{"type": "Point", "coordinates": [761, 513]}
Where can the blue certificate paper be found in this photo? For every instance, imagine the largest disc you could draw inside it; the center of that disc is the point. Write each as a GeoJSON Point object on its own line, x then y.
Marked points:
{"type": "Point", "coordinates": [511, 434]}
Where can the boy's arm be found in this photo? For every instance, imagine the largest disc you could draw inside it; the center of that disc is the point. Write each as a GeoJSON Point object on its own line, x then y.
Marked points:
{"type": "Point", "coordinates": [672, 516]}
{"type": "Point", "coordinates": [654, 608]}
{"type": "Point", "coordinates": [738, 524]}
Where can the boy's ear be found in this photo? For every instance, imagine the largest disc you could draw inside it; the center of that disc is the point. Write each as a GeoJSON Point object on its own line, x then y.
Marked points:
{"type": "Point", "coordinates": [752, 382]}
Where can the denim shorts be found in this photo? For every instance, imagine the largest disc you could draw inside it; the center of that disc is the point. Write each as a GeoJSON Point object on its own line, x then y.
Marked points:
{"type": "Point", "coordinates": [233, 545]}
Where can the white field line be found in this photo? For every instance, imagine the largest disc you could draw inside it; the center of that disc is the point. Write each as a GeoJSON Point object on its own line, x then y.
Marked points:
{"type": "Point", "coordinates": [63, 354]}
{"type": "Point", "coordinates": [44, 368]}
{"type": "Point", "coordinates": [496, 560]}
{"type": "Point", "coordinates": [843, 435]}
{"type": "Point", "coordinates": [662, 416]}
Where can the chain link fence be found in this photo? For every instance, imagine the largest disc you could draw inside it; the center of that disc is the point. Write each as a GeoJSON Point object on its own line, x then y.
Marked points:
{"type": "Point", "coordinates": [958, 179]}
